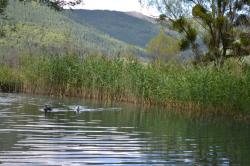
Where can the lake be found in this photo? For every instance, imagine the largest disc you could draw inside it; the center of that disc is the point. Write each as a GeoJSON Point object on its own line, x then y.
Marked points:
{"type": "Point", "coordinates": [118, 134]}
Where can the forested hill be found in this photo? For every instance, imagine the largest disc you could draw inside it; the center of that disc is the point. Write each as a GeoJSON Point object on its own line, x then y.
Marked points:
{"type": "Point", "coordinates": [36, 29]}
{"type": "Point", "coordinates": [128, 27]}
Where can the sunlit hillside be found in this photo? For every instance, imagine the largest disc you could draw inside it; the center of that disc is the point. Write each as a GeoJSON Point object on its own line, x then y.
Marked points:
{"type": "Point", "coordinates": [32, 28]}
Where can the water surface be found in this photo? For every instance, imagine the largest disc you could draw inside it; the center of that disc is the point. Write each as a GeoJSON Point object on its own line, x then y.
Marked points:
{"type": "Point", "coordinates": [113, 135]}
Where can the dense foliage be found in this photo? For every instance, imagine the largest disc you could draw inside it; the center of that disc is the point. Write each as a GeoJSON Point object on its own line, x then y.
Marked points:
{"type": "Point", "coordinates": [224, 25]}
{"type": "Point", "coordinates": [163, 47]}
{"type": "Point", "coordinates": [3, 5]}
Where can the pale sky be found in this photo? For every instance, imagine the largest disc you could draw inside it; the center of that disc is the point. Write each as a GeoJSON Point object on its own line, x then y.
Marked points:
{"type": "Point", "coordinates": [118, 5]}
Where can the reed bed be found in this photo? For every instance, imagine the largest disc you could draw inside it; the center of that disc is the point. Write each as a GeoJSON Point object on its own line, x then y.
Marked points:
{"type": "Point", "coordinates": [128, 80]}
{"type": "Point", "coordinates": [9, 79]}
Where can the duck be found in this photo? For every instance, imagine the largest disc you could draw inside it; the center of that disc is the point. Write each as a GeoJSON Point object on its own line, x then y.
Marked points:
{"type": "Point", "coordinates": [78, 109]}
{"type": "Point", "coordinates": [47, 109]}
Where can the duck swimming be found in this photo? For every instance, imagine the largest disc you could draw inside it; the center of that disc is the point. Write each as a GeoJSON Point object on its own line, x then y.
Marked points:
{"type": "Point", "coordinates": [47, 109]}
{"type": "Point", "coordinates": [78, 109]}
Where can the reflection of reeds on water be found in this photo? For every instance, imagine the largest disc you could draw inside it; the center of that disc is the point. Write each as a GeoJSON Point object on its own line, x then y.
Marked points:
{"type": "Point", "coordinates": [184, 88]}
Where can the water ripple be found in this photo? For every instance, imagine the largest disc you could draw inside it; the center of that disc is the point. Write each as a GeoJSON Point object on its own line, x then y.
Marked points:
{"type": "Point", "coordinates": [98, 136]}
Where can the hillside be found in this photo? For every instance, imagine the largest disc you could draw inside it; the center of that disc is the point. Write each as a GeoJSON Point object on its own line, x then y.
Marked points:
{"type": "Point", "coordinates": [132, 28]}
{"type": "Point", "coordinates": [32, 28]}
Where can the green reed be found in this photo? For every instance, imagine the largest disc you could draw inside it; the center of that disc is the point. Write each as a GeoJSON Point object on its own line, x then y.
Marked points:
{"type": "Point", "coordinates": [9, 79]}
{"type": "Point", "coordinates": [127, 79]}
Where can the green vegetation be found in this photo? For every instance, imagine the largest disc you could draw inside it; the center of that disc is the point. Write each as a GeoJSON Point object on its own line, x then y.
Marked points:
{"type": "Point", "coordinates": [9, 79]}
{"type": "Point", "coordinates": [163, 47]}
{"type": "Point", "coordinates": [224, 26]}
{"type": "Point", "coordinates": [45, 52]}
{"type": "Point", "coordinates": [102, 78]}
{"type": "Point", "coordinates": [36, 29]}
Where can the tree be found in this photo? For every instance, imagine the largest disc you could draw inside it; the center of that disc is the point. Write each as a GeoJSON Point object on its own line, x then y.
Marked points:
{"type": "Point", "coordinates": [224, 26]}
{"type": "Point", "coordinates": [3, 5]}
{"type": "Point", "coordinates": [54, 4]}
{"type": "Point", "coordinates": [163, 47]}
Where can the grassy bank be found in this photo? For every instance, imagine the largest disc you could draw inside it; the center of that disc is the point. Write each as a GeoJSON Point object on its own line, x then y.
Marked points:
{"type": "Point", "coordinates": [98, 77]}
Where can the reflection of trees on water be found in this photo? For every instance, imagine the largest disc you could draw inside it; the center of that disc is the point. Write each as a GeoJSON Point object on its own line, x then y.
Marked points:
{"type": "Point", "coordinates": [214, 141]}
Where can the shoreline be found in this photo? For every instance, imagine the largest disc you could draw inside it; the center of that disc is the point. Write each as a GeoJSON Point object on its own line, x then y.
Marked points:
{"type": "Point", "coordinates": [188, 109]}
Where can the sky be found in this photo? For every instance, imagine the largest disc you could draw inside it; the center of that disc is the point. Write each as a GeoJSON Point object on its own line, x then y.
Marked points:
{"type": "Point", "coordinates": [118, 5]}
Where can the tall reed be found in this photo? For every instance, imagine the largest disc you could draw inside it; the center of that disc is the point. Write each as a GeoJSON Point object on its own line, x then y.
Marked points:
{"type": "Point", "coordinates": [9, 79]}
{"type": "Point", "coordinates": [120, 79]}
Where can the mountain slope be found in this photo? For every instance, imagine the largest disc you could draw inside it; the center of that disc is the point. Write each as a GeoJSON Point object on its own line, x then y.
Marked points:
{"type": "Point", "coordinates": [33, 28]}
{"type": "Point", "coordinates": [131, 27]}
{"type": "Point", "coordinates": [123, 26]}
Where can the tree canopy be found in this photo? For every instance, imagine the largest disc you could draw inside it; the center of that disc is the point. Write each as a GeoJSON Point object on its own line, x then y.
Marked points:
{"type": "Point", "coordinates": [54, 4]}
{"type": "Point", "coordinates": [223, 24]}
{"type": "Point", "coordinates": [3, 5]}
{"type": "Point", "coordinates": [163, 47]}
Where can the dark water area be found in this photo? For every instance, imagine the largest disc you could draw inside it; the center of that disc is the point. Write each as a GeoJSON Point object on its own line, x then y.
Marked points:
{"type": "Point", "coordinates": [114, 135]}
